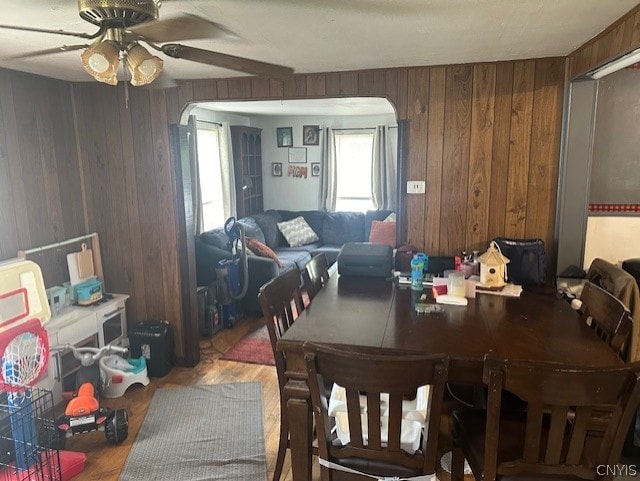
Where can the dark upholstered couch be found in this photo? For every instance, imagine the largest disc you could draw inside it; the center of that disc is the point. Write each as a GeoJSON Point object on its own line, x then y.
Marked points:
{"type": "Point", "coordinates": [333, 229]}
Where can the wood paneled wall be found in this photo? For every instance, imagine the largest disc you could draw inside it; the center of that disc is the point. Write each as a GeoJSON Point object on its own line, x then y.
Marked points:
{"type": "Point", "coordinates": [621, 37]}
{"type": "Point", "coordinates": [484, 137]}
{"type": "Point", "coordinates": [129, 196]}
{"type": "Point", "coordinates": [40, 188]}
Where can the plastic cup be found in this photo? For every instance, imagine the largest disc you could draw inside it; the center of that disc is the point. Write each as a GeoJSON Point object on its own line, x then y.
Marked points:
{"type": "Point", "coordinates": [455, 284]}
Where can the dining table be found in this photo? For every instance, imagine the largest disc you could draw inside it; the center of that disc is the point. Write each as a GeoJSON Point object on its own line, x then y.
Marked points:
{"type": "Point", "coordinates": [379, 314]}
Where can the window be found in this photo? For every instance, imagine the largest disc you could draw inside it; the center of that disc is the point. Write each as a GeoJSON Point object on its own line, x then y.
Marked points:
{"type": "Point", "coordinates": [354, 151]}
{"type": "Point", "coordinates": [210, 176]}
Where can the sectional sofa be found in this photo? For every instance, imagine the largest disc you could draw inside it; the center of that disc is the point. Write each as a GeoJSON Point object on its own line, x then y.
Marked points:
{"type": "Point", "coordinates": [333, 229]}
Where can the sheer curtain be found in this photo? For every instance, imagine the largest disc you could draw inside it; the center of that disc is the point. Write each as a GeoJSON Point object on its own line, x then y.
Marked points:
{"type": "Point", "coordinates": [196, 192]}
{"type": "Point", "coordinates": [329, 172]}
{"type": "Point", "coordinates": [384, 168]}
{"type": "Point", "coordinates": [226, 167]}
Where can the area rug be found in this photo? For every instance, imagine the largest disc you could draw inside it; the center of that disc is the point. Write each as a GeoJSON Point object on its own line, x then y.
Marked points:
{"type": "Point", "coordinates": [198, 433]}
{"type": "Point", "coordinates": [254, 348]}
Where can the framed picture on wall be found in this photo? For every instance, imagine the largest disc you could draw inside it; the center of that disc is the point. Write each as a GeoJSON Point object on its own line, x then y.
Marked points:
{"type": "Point", "coordinates": [276, 169]}
{"type": "Point", "coordinates": [315, 169]}
{"type": "Point", "coordinates": [297, 155]}
{"type": "Point", "coordinates": [284, 136]}
{"type": "Point", "coordinates": [310, 135]}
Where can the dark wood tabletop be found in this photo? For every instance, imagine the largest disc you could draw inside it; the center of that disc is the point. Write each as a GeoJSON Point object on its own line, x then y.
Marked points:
{"type": "Point", "coordinates": [376, 313]}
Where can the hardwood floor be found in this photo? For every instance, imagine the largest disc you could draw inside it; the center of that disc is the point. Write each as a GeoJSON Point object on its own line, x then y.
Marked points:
{"type": "Point", "coordinates": [105, 462]}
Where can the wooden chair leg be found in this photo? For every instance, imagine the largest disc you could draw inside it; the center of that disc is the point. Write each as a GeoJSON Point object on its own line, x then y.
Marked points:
{"type": "Point", "coordinates": [282, 444]}
{"type": "Point", "coordinates": [457, 464]}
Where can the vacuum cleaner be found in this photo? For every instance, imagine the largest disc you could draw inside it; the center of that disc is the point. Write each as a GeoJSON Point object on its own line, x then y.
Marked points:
{"type": "Point", "coordinates": [232, 274]}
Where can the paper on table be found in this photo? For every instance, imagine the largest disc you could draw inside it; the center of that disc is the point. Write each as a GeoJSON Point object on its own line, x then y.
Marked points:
{"type": "Point", "coordinates": [509, 290]}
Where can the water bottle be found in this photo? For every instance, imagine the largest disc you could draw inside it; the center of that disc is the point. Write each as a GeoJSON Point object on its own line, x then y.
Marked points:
{"type": "Point", "coordinates": [416, 273]}
{"type": "Point", "coordinates": [424, 258]}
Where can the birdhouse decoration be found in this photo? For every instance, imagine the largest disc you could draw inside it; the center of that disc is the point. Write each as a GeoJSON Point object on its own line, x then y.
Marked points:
{"type": "Point", "coordinates": [493, 267]}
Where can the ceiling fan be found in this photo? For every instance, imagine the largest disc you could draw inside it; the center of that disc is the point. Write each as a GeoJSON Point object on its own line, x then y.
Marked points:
{"type": "Point", "coordinates": [123, 25]}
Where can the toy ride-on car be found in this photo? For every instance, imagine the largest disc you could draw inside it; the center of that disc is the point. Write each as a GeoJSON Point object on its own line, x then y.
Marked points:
{"type": "Point", "coordinates": [83, 413]}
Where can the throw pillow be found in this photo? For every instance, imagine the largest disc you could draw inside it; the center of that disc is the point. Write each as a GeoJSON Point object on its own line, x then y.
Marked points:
{"type": "Point", "coordinates": [297, 232]}
{"type": "Point", "coordinates": [383, 232]}
{"type": "Point", "coordinates": [262, 250]}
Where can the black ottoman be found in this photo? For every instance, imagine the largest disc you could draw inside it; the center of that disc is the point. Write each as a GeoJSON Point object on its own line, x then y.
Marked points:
{"type": "Point", "coordinates": [365, 259]}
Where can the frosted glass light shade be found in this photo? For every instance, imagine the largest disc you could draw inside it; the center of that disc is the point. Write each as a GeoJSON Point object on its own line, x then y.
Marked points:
{"type": "Point", "coordinates": [144, 67]}
{"type": "Point", "coordinates": [101, 62]}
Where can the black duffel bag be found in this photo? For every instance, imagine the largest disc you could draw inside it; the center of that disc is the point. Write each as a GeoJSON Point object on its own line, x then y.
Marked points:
{"type": "Point", "coordinates": [527, 260]}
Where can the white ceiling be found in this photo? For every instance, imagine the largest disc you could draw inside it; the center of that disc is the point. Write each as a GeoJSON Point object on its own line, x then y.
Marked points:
{"type": "Point", "coordinates": [334, 35]}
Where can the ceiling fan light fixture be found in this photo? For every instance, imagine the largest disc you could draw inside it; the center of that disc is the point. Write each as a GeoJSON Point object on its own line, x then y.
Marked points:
{"type": "Point", "coordinates": [143, 66]}
{"type": "Point", "coordinates": [101, 62]}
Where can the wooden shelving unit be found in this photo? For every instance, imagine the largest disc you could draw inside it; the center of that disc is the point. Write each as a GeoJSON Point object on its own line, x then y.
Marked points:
{"type": "Point", "coordinates": [247, 161]}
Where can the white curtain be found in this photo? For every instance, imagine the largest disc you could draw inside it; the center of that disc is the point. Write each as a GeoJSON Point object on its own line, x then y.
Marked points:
{"type": "Point", "coordinates": [226, 167]}
{"type": "Point", "coordinates": [384, 168]}
{"type": "Point", "coordinates": [196, 192]}
{"type": "Point", "coordinates": [329, 172]}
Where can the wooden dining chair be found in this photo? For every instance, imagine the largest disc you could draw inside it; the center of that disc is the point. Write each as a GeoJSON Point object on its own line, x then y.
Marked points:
{"type": "Point", "coordinates": [576, 420]}
{"type": "Point", "coordinates": [369, 449]}
{"type": "Point", "coordinates": [281, 303]}
{"type": "Point", "coordinates": [607, 316]}
{"type": "Point", "coordinates": [316, 275]}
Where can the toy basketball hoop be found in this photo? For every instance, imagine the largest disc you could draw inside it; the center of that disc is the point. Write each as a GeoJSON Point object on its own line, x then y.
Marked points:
{"type": "Point", "coordinates": [24, 351]}
{"type": "Point", "coordinates": [24, 344]}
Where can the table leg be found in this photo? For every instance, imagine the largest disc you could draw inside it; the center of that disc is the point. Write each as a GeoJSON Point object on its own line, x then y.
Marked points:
{"type": "Point", "coordinates": [300, 433]}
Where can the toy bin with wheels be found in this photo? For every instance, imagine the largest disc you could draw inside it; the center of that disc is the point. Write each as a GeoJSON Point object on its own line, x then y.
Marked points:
{"type": "Point", "coordinates": [153, 340]}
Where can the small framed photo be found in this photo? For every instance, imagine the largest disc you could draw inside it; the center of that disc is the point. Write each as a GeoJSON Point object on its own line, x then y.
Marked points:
{"type": "Point", "coordinates": [276, 169]}
{"type": "Point", "coordinates": [310, 135]}
{"type": "Point", "coordinates": [315, 169]}
{"type": "Point", "coordinates": [297, 155]}
{"type": "Point", "coordinates": [284, 136]}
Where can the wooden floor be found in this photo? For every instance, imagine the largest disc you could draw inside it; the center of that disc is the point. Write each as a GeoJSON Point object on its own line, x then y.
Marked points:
{"type": "Point", "coordinates": [105, 462]}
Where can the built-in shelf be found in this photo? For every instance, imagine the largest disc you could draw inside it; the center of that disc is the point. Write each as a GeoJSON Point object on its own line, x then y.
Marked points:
{"type": "Point", "coordinates": [247, 161]}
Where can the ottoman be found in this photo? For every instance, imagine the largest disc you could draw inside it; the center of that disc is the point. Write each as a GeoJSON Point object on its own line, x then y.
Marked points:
{"type": "Point", "coordinates": [365, 259]}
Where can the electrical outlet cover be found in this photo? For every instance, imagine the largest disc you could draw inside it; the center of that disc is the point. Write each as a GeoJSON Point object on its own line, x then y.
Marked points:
{"type": "Point", "coordinates": [415, 187]}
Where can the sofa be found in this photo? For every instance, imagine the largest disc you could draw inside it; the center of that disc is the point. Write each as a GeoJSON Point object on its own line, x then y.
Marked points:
{"type": "Point", "coordinates": [333, 229]}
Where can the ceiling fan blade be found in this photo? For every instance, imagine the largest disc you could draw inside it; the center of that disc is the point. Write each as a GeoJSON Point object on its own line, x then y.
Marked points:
{"type": "Point", "coordinates": [182, 27]}
{"type": "Point", "coordinates": [55, 32]}
{"type": "Point", "coordinates": [223, 60]}
{"type": "Point", "coordinates": [161, 83]}
{"type": "Point", "coordinates": [49, 51]}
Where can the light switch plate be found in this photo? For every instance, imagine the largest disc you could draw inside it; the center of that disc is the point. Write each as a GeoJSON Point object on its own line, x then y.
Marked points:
{"type": "Point", "coordinates": [415, 187]}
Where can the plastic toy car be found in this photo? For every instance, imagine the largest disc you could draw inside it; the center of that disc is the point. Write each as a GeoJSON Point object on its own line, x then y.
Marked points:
{"type": "Point", "coordinates": [83, 412]}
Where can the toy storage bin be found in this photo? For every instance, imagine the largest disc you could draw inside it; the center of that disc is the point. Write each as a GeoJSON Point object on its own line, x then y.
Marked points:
{"type": "Point", "coordinates": [154, 341]}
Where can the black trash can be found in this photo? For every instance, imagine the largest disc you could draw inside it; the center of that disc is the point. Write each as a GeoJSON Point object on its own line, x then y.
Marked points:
{"type": "Point", "coordinates": [154, 341]}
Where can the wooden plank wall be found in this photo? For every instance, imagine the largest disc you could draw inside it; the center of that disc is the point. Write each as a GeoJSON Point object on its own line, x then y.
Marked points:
{"type": "Point", "coordinates": [129, 194]}
{"type": "Point", "coordinates": [40, 188]}
{"type": "Point", "coordinates": [484, 137]}
{"type": "Point", "coordinates": [621, 37]}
